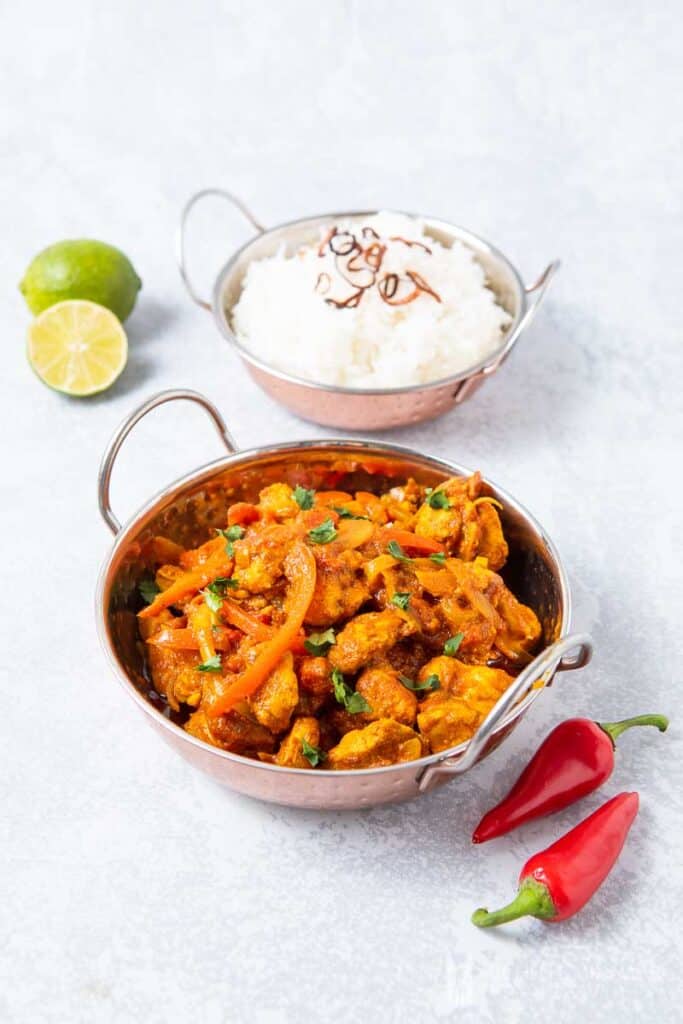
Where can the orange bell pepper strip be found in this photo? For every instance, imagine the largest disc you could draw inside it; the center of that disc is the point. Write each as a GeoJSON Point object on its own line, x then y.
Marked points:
{"type": "Point", "coordinates": [332, 497]}
{"type": "Point", "coordinates": [406, 539]}
{"type": "Point", "coordinates": [195, 557]}
{"type": "Point", "coordinates": [186, 640]}
{"type": "Point", "coordinates": [302, 573]}
{"type": "Point", "coordinates": [189, 583]}
{"type": "Point", "coordinates": [353, 533]}
{"type": "Point", "coordinates": [237, 616]}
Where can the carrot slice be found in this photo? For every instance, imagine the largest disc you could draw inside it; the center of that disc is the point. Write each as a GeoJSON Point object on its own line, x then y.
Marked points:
{"type": "Point", "coordinates": [302, 573]}
{"type": "Point", "coordinates": [411, 540]}
{"type": "Point", "coordinates": [189, 583]}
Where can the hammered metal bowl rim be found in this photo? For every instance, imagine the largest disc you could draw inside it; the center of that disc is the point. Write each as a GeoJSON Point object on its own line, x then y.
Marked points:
{"type": "Point", "coordinates": [474, 241]}
{"type": "Point", "coordinates": [211, 469]}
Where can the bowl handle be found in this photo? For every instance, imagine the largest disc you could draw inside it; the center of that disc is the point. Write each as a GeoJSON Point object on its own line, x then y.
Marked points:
{"type": "Point", "coordinates": [182, 232]}
{"type": "Point", "coordinates": [541, 670]}
{"type": "Point", "coordinates": [114, 446]}
{"type": "Point", "coordinates": [536, 290]}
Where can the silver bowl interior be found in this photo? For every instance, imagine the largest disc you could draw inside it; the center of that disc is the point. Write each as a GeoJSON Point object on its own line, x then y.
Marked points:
{"type": "Point", "coordinates": [501, 277]}
{"type": "Point", "coordinates": [188, 510]}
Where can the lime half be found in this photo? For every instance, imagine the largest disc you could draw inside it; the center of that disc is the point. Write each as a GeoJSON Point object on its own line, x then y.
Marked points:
{"type": "Point", "coordinates": [77, 347]}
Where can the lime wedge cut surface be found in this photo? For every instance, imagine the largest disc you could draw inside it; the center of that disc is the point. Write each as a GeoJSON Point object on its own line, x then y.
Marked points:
{"type": "Point", "coordinates": [77, 347]}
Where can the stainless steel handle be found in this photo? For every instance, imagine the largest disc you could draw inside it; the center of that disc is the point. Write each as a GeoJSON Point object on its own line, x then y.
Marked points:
{"type": "Point", "coordinates": [541, 669]}
{"type": "Point", "coordinates": [182, 230]}
{"type": "Point", "coordinates": [537, 290]}
{"type": "Point", "coordinates": [114, 446]}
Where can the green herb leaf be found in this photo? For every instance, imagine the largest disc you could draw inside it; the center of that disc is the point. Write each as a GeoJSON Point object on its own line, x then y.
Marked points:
{"type": "Point", "coordinates": [148, 589]}
{"type": "Point", "coordinates": [344, 513]}
{"type": "Point", "coordinates": [320, 643]}
{"type": "Point", "coordinates": [401, 600]}
{"type": "Point", "coordinates": [212, 665]}
{"type": "Point", "coordinates": [314, 755]}
{"type": "Point", "coordinates": [430, 683]}
{"type": "Point", "coordinates": [438, 558]}
{"type": "Point", "coordinates": [352, 701]}
{"type": "Point", "coordinates": [438, 499]}
{"type": "Point", "coordinates": [451, 646]}
{"type": "Point", "coordinates": [231, 534]}
{"type": "Point", "coordinates": [323, 534]}
{"type": "Point", "coordinates": [356, 703]}
{"type": "Point", "coordinates": [396, 551]}
{"type": "Point", "coordinates": [303, 497]}
{"type": "Point", "coordinates": [213, 600]}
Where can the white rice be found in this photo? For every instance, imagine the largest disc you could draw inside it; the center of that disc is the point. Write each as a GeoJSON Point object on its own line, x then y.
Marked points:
{"type": "Point", "coordinates": [282, 315]}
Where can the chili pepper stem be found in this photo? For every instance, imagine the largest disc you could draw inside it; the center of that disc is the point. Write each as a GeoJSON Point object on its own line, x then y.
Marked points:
{"type": "Point", "coordinates": [532, 899]}
{"type": "Point", "coordinates": [615, 729]}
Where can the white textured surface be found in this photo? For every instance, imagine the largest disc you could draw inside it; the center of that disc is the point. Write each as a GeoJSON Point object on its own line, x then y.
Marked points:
{"type": "Point", "coordinates": [134, 890]}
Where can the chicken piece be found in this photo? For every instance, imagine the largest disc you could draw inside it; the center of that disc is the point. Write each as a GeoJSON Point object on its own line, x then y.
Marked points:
{"type": "Point", "coordinates": [466, 528]}
{"type": "Point", "coordinates": [274, 702]}
{"type": "Point", "coordinates": [340, 587]}
{"type": "Point", "coordinates": [259, 556]}
{"type": "Point", "coordinates": [290, 754]}
{"type": "Point", "coordinates": [174, 674]}
{"type": "Point", "coordinates": [314, 676]}
{"type": "Point", "coordinates": [368, 637]}
{"type": "Point", "coordinates": [234, 731]}
{"type": "Point", "coordinates": [470, 682]}
{"type": "Point", "coordinates": [474, 601]}
{"type": "Point", "coordinates": [278, 502]}
{"type": "Point", "coordinates": [491, 544]}
{"type": "Point", "coordinates": [381, 743]}
{"type": "Point", "coordinates": [387, 697]}
{"type": "Point", "coordinates": [521, 631]}
{"type": "Point", "coordinates": [452, 714]}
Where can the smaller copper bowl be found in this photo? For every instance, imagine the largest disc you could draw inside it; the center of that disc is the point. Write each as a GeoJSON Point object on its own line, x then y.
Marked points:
{"type": "Point", "coordinates": [362, 408]}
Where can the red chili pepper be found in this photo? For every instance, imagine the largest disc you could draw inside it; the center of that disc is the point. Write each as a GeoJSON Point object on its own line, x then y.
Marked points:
{"type": "Point", "coordinates": [576, 758]}
{"type": "Point", "coordinates": [555, 883]}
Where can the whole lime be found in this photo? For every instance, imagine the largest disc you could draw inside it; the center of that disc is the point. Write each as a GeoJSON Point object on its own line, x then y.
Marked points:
{"type": "Point", "coordinates": [81, 268]}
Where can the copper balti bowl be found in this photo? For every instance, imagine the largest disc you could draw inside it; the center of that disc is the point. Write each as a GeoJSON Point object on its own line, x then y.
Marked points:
{"type": "Point", "coordinates": [356, 408]}
{"type": "Point", "coordinates": [188, 509]}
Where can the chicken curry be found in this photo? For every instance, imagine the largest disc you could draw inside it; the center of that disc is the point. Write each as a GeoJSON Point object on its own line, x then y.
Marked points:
{"type": "Point", "coordinates": [330, 630]}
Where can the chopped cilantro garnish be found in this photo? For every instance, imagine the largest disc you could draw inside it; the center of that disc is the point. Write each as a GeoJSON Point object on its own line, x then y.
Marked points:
{"type": "Point", "coordinates": [396, 551]}
{"type": "Point", "coordinates": [323, 534]}
{"type": "Point", "coordinates": [438, 558]}
{"type": "Point", "coordinates": [148, 589]}
{"type": "Point", "coordinates": [314, 755]}
{"type": "Point", "coordinates": [401, 600]}
{"type": "Point", "coordinates": [232, 533]}
{"type": "Point", "coordinates": [430, 683]}
{"type": "Point", "coordinates": [344, 513]}
{"type": "Point", "coordinates": [438, 499]}
{"type": "Point", "coordinates": [320, 643]}
{"type": "Point", "coordinates": [212, 665]}
{"type": "Point", "coordinates": [352, 701]}
{"type": "Point", "coordinates": [451, 646]}
{"type": "Point", "coordinates": [303, 497]}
